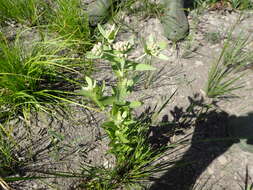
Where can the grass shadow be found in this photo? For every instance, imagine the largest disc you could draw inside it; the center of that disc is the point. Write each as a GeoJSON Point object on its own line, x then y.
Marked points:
{"type": "Point", "coordinates": [209, 140]}
{"type": "Point", "coordinates": [181, 120]}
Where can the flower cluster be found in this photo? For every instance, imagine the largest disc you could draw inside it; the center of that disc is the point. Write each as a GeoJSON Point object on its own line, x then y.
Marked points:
{"type": "Point", "coordinates": [97, 50]}
{"type": "Point", "coordinates": [122, 46]}
{"type": "Point", "coordinates": [154, 48]}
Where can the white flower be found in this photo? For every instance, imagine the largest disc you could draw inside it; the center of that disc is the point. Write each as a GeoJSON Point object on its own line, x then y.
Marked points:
{"type": "Point", "coordinates": [90, 84]}
{"type": "Point", "coordinates": [122, 46]}
{"type": "Point", "coordinates": [122, 55]}
{"type": "Point", "coordinates": [97, 50]}
{"type": "Point", "coordinates": [152, 47]}
{"type": "Point", "coordinates": [155, 48]}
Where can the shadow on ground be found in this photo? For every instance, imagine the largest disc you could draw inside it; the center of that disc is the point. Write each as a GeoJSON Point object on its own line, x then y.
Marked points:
{"type": "Point", "coordinates": [210, 139]}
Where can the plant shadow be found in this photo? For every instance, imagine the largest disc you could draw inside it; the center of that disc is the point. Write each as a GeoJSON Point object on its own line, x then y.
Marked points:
{"type": "Point", "coordinates": [210, 139]}
{"type": "Point", "coordinates": [181, 120]}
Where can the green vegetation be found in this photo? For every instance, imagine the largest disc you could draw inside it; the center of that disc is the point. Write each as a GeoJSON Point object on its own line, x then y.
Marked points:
{"type": "Point", "coordinates": [235, 4]}
{"type": "Point", "coordinates": [23, 11]}
{"type": "Point", "coordinates": [66, 18]}
{"type": "Point", "coordinates": [225, 73]}
{"type": "Point", "coordinates": [30, 80]}
{"type": "Point", "coordinates": [70, 20]}
{"type": "Point", "coordinates": [8, 147]}
{"type": "Point", "coordinates": [128, 134]}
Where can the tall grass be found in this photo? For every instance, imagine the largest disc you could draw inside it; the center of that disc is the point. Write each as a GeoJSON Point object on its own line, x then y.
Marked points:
{"type": "Point", "coordinates": [224, 75]}
{"type": "Point", "coordinates": [235, 4]}
{"type": "Point", "coordinates": [70, 20]}
{"type": "Point", "coordinates": [9, 161]}
{"type": "Point", "coordinates": [65, 17]}
{"type": "Point", "coordinates": [34, 78]}
{"type": "Point", "coordinates": [23, 11]}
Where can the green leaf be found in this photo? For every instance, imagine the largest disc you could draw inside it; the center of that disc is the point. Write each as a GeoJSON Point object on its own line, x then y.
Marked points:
{"type": "Point", "coordinates": [107, 100]}
{"type": "Point", "coordinates": [89, 55]}
{"type": "Point", "coordinates": [109, 124]}
{"type": "Point", "coordinates": [135, 104]}
{"type": "Point", "coordinates": [130, 83]}
{"type": "Point", "coordinates": [102, 31]}
{"type": "Point", "coordinates": [124, 114]}
{"type": "Point", "coordinates": [162, 44]}
{"type": "Point", "coordinates": [113, 32]}
{"type": "Point", "coordinates": [144, 67]}
{"type": "Point", "coordinates": [163, 57]}
{"type": "Point", "coordinates": [88, 80]}
{"type": "Point", "coordinates": [120, 102]}
{"type": "Point", "coordinates": [85, 93]}
{"type": "Point", "coordinates": [121, 137]}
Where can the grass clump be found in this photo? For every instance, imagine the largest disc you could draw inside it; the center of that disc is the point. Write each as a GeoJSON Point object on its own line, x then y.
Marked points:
{"type": "Point", "coordinates": [224, 74]}
{"type": "Point", "coordinates": [32, 78]}
{"type": "Point", "coordinates": [23, 11]}
{"type": "Point", "coordinates": [241, 4]}
{"type": "Point", "coordinates": [65, 17]}
{"type": "Point", "coordinates": [221, 4]}
{"type": "Point", "coordinates": [9, 149]}
{"type": "Point", "coordinates": [68, 19]}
